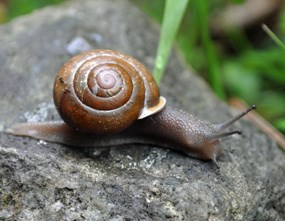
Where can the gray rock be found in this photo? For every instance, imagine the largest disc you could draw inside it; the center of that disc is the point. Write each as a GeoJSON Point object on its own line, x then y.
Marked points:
{"type": "Point", "coordinates": [44, 181]}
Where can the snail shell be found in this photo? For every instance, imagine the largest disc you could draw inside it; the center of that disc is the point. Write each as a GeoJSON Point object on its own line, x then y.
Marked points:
{"type": "Point", "coordinates": [104, 91]}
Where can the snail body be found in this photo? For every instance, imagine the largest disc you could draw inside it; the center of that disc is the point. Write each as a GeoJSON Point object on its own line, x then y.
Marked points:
{"type": "Point", "coordinates": [107, 98]}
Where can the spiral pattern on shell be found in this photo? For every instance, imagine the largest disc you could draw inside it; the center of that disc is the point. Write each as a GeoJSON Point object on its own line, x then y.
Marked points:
{"type": "Point", "coordinates": [104, 91]}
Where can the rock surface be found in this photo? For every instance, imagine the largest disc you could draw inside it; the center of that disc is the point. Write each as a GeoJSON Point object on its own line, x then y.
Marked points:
{"type": "Point", "coordinates": [44, 181]}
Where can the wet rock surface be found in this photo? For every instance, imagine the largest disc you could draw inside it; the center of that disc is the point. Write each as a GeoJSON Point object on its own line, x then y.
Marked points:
{"type": "Point", "coordinates": [45, 181]}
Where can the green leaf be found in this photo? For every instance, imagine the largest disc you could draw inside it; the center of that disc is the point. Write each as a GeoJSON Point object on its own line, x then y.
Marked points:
{"type": "Point", "coordinates": [214, 71]}
{"type": "Point", "coordinates": [240, 81]}
{"type": "Point", "coordinates": [280, 124]}
{"type": "Point", "coordinates": [173, 13]}
{"type": "Point", "coordinates": [20, 7]}
{"type": "Point", "coordinates": [238, 1]}
{"type": "Point", "coordinates": [269, 63]}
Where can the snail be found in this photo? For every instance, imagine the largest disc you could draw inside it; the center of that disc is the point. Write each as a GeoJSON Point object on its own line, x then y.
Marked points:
{"type": "Point", "coordinates": [108, 98]}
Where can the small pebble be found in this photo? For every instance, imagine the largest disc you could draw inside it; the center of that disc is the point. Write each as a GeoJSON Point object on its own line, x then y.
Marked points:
{"type": "Point", "coordinates": [78, 45]}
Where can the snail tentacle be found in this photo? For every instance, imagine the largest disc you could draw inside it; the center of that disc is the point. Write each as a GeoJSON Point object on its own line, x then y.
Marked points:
{"type": "Point", "coordinates": [101, 94]}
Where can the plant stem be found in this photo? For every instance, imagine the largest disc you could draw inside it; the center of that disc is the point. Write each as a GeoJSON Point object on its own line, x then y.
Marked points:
{"type": "Point", "coordinates": [273, 36]}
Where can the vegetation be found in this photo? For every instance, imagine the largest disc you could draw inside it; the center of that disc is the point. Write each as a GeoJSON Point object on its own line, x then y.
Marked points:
{"type": "Point", "coordinates": [235, 64]}
{"type": "Point", "coordinates": [239, 62]}
{"type": "Point", "coordinates": [20, 7]}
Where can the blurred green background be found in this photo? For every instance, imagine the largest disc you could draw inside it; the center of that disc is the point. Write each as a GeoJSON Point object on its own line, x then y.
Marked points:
{"type": "Point", "coordinates": [10, 9]}
{"type": "Point", "coordinates": [237, 60]}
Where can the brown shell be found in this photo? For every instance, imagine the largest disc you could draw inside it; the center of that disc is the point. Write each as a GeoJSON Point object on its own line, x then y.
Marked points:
{"type": "Point", "coordinates": [104, 91]}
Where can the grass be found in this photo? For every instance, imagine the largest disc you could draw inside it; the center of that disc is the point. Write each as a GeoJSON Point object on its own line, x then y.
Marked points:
{"type": "Point", "coordinates": [21, 7]}
{"type": "Point", "coordinates": [173, 13]}
{"type": "Point", "coordinates": [273, 36]}
{"type": "Point", "coordinates": [254, 72]}
{"type": "Point", "coordinates": [207, 44]}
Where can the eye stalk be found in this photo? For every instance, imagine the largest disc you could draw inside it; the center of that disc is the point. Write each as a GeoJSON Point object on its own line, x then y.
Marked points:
{"type": "Point", "coordinates": [222, 126]}
{"type": "Point", "coordinates": [219, 128]}
{"type": "Point", "coordinates": [101, 94]}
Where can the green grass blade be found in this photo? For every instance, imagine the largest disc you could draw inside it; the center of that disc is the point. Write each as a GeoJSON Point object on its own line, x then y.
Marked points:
{"type": "Point", "coordinates": [213, 64]}
{"type": "Point", "coordinates": [173, 13]}
{"type": "Point", "coordinates": [273, 36]}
